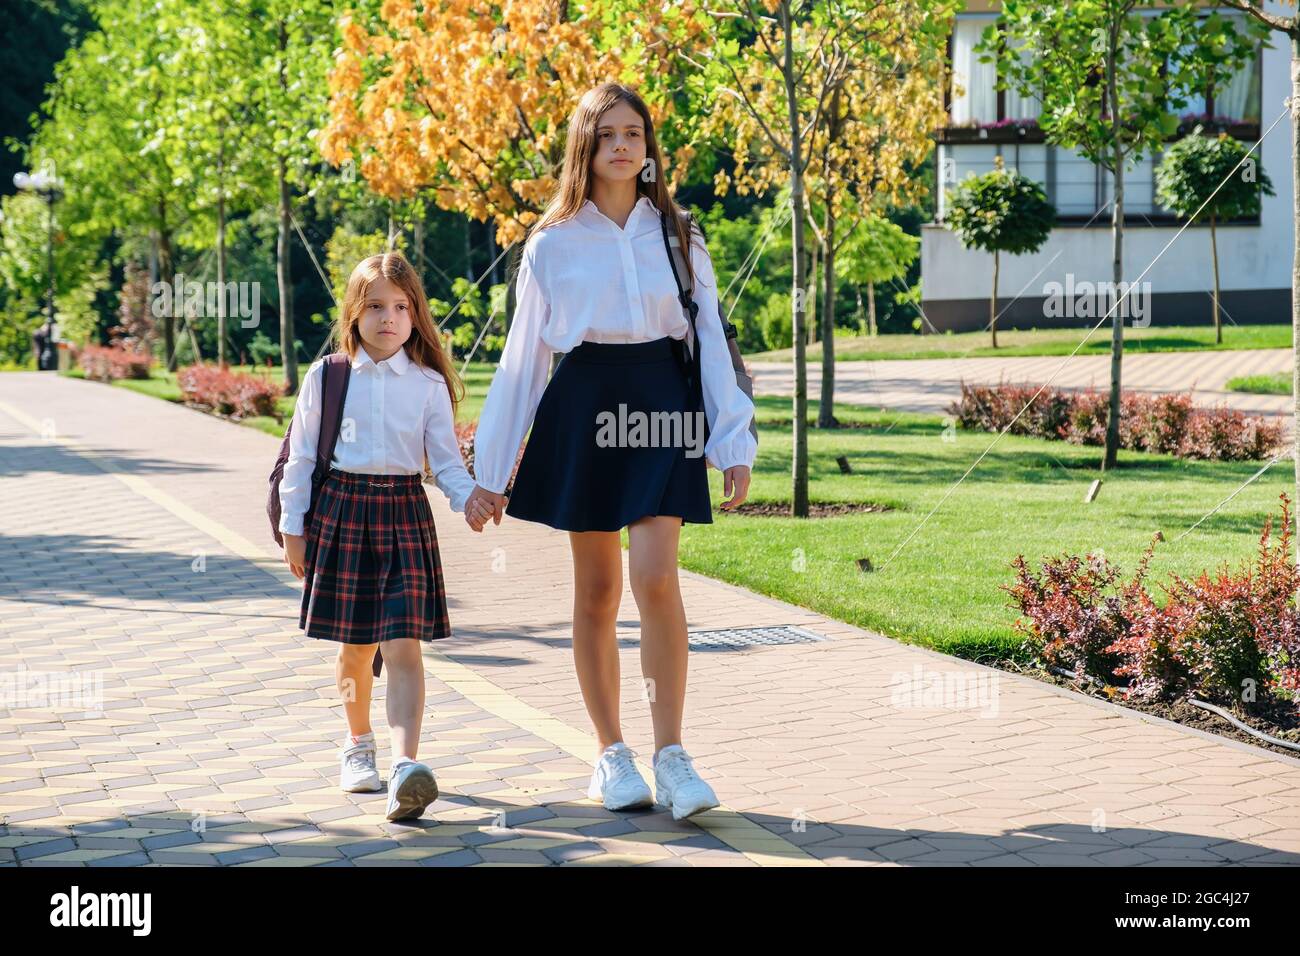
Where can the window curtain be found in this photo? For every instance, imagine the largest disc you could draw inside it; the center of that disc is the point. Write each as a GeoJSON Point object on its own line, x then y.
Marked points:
{"type": "Point", "coordinates": [979, 102]}
{"type": "Point", "coordinates": [1017, 106]}
{"type": "Point", "coordinates": [1238, 95]}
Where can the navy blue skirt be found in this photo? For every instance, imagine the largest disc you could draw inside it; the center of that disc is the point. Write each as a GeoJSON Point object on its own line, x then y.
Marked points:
{"type": "Point", "coordinates": [615, 439]}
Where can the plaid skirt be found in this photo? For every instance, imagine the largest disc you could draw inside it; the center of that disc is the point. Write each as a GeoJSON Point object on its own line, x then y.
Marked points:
{"type": "Point", "coordinates": [372, 567]}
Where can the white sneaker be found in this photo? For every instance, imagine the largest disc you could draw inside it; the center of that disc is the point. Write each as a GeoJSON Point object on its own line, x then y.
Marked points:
{"type": "Point", "coordinates": [616, 782]}
{"type": "Point", "coordinates": [411, 788]}
{"type": "Point", "coordinates": [357, 772]}
{"type": "Point", "coordinates": [677, 785]}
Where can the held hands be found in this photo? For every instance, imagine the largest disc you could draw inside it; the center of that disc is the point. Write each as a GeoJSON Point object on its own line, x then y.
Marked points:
{"type": "Point", "coordinates": [735, 485]}
{"type": "Point", "coordinates": [481, 505]}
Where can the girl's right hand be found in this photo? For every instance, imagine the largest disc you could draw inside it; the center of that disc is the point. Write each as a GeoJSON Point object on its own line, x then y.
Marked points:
{"type": "Point", "coordinates": [295, 553]}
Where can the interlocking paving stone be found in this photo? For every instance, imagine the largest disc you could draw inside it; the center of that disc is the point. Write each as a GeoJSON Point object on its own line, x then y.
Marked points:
{"type": "Point", "coordinates": [216, 738]}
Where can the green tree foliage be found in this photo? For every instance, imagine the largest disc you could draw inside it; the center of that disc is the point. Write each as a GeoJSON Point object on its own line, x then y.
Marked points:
{"type": "Point", "coordinates": [1000, 211]}
{"type": "Point", "coordinates": [1207, 179]}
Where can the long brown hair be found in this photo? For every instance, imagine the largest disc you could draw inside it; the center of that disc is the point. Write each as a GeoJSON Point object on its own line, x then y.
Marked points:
{"type": "Point", "coordinates": [580, 148]}
{"type": "Point", "coordinates": [425, 346]}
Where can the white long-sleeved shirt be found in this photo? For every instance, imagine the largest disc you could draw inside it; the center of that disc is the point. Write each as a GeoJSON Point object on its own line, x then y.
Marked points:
{"type": "Point", "coordinates": [394, 414]}
{"type": "Point", "coordinates": [587, 279]}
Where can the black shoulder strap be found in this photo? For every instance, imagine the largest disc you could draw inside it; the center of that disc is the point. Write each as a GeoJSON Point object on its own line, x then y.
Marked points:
{"type": "Point", "coordinates": [677, 261]}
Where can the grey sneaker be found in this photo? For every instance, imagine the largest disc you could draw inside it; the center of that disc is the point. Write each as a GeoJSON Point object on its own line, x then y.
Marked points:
{"type": "Point", "coordinates": [357, 772]}
{"type": "Point", "coordinates": [411, 788]}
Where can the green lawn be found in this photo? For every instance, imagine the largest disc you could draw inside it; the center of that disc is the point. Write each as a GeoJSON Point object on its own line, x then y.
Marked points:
{"type": "Point", "coordinates": [1279, 384]}
{"type": "Point", "coordinates": [942, 589]}
{"type": "Point", "coordinates": [1042, 342]}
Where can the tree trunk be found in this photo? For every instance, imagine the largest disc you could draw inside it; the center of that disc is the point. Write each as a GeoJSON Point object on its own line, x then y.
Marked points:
{"type": "Point", "coordinates": [826, 407]}
{"type": "Point", "coordinates": [1111, 456]}
{"type": "Point", "coordinates": [811, 313]}
{"type": "Point", "coordinates": [418, 229]}
{"type": "Point", "coordinates": [165, 267]}
{"type": "Point", "coordinates": [993, 300]}
{"type": "Point", "coordinates": [1214, 256]}
{"type": "Point", "coordinates": [469, 249]}
{"type": "Point", "coordinates": [872, 327]}
{"type": "Point", "coordinates": [288, 353]}
{"type": "Point", "coordinates": [512, 269]}
{"type": "Point", "coordinates": [799, 459]}
{"type": "Point", "coordinates": [221, 256]}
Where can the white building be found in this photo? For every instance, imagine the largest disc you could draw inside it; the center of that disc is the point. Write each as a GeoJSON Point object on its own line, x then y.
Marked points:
{"type": "Point", "coordinates": [1255, 256]}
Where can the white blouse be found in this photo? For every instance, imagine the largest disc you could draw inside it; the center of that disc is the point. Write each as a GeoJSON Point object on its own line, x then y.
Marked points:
{"type": "Point", "coordinates": [395, 413]}
{"type": "Point", "coordinates": [586, 279]}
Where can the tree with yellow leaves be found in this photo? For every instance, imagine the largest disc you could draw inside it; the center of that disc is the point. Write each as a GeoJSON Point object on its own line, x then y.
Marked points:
{"type": "Point", "coordinates": [466, 100]}
{"type": "Point", "coordinates": [795, 87]}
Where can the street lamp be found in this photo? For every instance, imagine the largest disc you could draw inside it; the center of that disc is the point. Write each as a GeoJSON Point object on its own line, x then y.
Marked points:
{"type": "Point", "coordinates": [50, 188]}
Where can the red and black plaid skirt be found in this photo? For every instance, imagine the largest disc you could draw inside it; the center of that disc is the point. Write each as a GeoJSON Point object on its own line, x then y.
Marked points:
{"type": "Point", "coordinates": [372, 566]}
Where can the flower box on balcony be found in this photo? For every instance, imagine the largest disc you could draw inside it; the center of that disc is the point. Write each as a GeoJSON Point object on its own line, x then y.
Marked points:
{"type": "Point", "coordinates": [1004, 131]}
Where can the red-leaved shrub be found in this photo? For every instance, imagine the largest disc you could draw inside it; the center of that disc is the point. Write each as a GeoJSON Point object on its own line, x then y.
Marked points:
{"type": "Point", "coordinates": [230, 393]}
{"type": "Point", "coordinates": [1222, 637]}
{"type": "Point", "coordinates": [992, 407]}
{"type": "Point", "coordinates": [1164, 424]}
{"type": "Point", "coordinates": [108, 363]}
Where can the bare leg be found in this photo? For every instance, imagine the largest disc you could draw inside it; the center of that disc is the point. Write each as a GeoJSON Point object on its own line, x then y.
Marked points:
{"type": "Point", "coordinates": [597, 589]}
{"type": "Point", "coordinates": [652, 566]}
{"type": "Point", "coordinates": [356, 681]}
{"type": "Point", "coordinates": [405, 697]}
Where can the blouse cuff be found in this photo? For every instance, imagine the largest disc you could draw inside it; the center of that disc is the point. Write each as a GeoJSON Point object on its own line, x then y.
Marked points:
{"type": "Point", "coordinates": [739, 451]}
{"type": "Point", "coordinates": [290, 524]}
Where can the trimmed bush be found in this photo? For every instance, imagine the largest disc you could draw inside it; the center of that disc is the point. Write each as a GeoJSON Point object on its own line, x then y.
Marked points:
{"type": "Point", "coordinates": [1224, 637]}
{"type": "Point", "coordinates": [113, 362]}
{"type": "Point", "coordinates": [1164, 424]}
{"type": "Point", "coordinates": [228, 393]}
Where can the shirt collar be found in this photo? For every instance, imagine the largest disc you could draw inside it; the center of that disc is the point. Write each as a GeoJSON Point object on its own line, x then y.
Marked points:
{"type": "Point", "coordinates": [643, 202]}
{"type": "Point", "coordinates": [399, 362]}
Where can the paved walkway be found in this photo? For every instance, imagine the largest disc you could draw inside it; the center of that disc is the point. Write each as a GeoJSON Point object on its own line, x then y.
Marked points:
{"type": "Point", "coordinates": [930, 385]}
{"type": "Point", "coordinates": [135, 552]}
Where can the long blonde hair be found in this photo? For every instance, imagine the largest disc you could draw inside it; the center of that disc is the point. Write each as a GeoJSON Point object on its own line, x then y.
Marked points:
{"type": "Point", "coordinates": [580, 148]}
{"type": "Point", "coordinates": [425, 346]}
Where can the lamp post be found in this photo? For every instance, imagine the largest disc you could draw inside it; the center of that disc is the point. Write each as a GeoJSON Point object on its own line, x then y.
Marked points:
{"type": "Point", "coordinates": [49, 188]}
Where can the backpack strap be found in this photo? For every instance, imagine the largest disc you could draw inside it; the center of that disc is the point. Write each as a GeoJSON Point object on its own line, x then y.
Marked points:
{"type": "Point", "coordinates": [334, 389]}
{"type": "Point", "coordinates": [677, 262]}
{"type": "Point", "coordinates": [677, 259]}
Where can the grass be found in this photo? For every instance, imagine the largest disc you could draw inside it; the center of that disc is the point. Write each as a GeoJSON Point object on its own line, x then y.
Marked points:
{"type": "Point", "coordinates": [1026, 496]}
{"type": "Point", "coordinates": [942, 590]}
{"type": "Point", "coordinates": [1279, 384]}
{"type": "Point", "coordinates": [1041, 342]}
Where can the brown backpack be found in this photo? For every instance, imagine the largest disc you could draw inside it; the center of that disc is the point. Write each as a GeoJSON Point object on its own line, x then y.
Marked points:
{"type": "Point", "coordinates": [334, 389]}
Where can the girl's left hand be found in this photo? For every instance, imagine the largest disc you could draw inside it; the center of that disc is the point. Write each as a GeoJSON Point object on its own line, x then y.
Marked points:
{"type": "Point", "coordinates": [477, 513]}
{"type": "Point", "coordinates": [735, 485]}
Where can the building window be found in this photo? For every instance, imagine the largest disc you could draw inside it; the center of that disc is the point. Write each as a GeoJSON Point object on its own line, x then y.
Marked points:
{"type": "Point", "coordinates": [977, 101]}
{"type": "Point", "coordinates": [1235, 96]}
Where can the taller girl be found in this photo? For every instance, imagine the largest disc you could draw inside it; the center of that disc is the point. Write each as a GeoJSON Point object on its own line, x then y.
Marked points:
{"type": "Point", "coordinates": [595, 283]}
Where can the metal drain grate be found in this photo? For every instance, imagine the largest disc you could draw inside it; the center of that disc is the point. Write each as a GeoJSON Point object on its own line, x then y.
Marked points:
{"type": "Point", "coordinates": [737, 637]}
